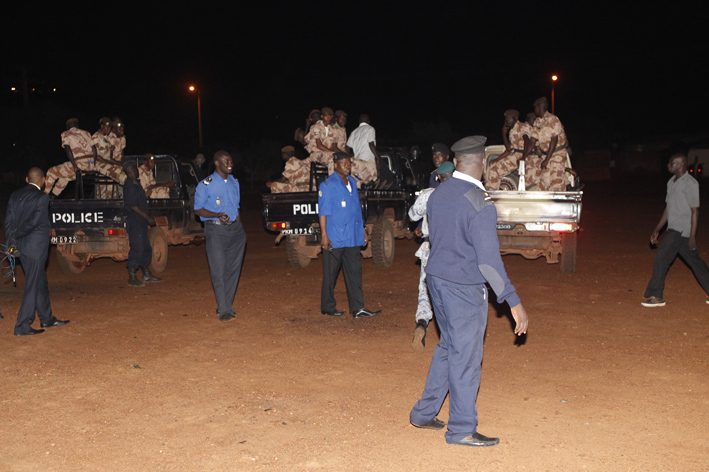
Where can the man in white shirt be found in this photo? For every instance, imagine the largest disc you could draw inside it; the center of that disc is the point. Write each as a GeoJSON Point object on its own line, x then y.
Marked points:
{"type": "Point", "coordinates": [362, 143]}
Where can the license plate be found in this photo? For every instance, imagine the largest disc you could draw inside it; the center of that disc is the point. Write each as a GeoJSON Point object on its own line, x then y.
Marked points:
{"type": "Point", "coordinates": [310, 230]}
{"type": "Point", "coordinates": [63, 240]}
{"type": "Point", "coordinates": [504, 226]}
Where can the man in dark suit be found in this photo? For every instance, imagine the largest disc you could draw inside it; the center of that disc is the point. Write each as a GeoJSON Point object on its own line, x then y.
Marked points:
{"type": "Point", "coordinates": [27, 228]}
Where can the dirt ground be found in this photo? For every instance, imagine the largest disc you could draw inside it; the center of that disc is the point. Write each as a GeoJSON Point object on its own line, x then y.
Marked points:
{"type": "Point", "coordinates": [148, 379]}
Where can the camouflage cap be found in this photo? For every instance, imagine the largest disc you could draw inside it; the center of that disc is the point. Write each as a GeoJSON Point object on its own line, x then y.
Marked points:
{"type": "Point", "coordinates": [540, 100]}
{"type": "Point", "coordinates": [288, 149]}
{"type": "Point", "coordinates": [470, 145]}
{"type": "Point", "coordinates": [340, 113]}
{"type": "Point", "coordinates": [512, 113]}
{"type": "Point", "coordinates": [326, 111]}
{"type": "Point", "coordinates": [339, 155]}
{"type": "Point", "coordinates": [445, 168]}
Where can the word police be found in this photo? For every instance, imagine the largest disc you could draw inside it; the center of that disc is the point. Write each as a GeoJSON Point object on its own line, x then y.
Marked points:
{"type": "Point", "coordinates": [88, 217]}
{"type": "Point", "coordinates": [305, 208]}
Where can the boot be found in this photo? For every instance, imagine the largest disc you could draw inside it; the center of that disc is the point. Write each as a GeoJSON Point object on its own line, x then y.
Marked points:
{"type": "Point", "coordinates": [148, 276]}
{"type": "Point", "coordinates": [134, 281]}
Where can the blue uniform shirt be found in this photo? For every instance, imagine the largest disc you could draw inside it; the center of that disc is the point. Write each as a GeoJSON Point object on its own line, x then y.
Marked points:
{"type": "Point", "coordinates": [345, 227]}
{"type": "Point", "coordinates": [134, 196]}
{"type": "Point", "coordinates": [214, 194]}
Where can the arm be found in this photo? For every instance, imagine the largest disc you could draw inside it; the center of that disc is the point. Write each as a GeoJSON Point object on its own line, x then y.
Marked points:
{"type": "Point", "coordinates": [663, 221]}
{"type": "Point", "coordinates": [148, 218]}
{"type": "Point", "coordinates": [550, 152]}
{"type": "Point", "coordinates": [324, 240]}
{"type": "Point", "coordinates": [322, 147]}
{"type": "Point", "coordinates": [521, 319]}
{"type": "Point", "coordinates": [693, 231]}
{"type": "Point", "coordinates": [505, 137]}
{"type": "Point", "coordinates": [70, 156]}
{"type": "Point", "coordinates": [529, 144]}
{"type": "Point", "coordinates": [373, 148]}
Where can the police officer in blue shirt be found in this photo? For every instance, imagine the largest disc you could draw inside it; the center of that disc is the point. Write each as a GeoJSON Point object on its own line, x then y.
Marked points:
{"type": "Point", "coordinates": [465, 255]}
{"type": "Point", "coordinates": [216, 202]}
{"type": "Point", "coordinates": [342, 236]}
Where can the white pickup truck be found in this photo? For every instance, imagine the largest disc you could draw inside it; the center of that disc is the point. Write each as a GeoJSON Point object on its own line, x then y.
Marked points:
{"type": "Point", "coordinates": [535, 224]}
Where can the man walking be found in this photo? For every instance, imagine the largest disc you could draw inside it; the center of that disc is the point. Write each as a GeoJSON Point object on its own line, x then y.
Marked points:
{"type": "Point", "coordinates": [465, 254]}
{"type": "Point", "coordinates": [342, 235]}
{"type": "Point", "coordinates": [27, 228]}
{"type": "Point", "coordinates": [682, 218]}
{"type": "Point", "coordinates": [216, 202]}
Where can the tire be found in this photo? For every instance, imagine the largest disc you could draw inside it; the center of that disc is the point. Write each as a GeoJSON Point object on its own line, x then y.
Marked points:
{"type": "Point", "coordinates": [69, 267]}
{"type": "Point", "coordinates": [382, 241]}
{"type": "Point", "coordinates": [158, 242]}
{"type": "Point", "coordinates": [568, 253]}
{"type": "Point", "coordinates": [296, 258]}
{"type": "Point", "coordinates": [510, 182]}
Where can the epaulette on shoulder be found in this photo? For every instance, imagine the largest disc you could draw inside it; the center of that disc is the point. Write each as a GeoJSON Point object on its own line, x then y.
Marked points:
{"type": "Point", "coordinates": [478, 198]}
{"type": "Point", "coordinates": [207, 181]}
{"type": "Point", "coordinates": [326, 182]}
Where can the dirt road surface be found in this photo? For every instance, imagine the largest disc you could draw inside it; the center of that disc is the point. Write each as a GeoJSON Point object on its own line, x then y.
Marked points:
{"type": "Point", "coordinates": [147, 379]}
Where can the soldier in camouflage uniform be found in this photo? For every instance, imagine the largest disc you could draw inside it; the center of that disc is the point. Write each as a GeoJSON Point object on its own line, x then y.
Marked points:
{"type": "Point", "coordinates": [296, 174]}
{"type": "Point", "coordinates": [320, 140]}
{"type": "Point", "coordinates": [117, 143]}
{"type": "Point", "coordinates": [147, 180]}
{"type": "Point", "coordinates": [338, 128]}
{"type": "Point", "coordinates": [515, 145]}
{"type": "Point", "coordinates": [551, 137]}
{"type": "Point", "coordinates": [80, 151]}
{"type": "Point", "coordinates": [105, 164]}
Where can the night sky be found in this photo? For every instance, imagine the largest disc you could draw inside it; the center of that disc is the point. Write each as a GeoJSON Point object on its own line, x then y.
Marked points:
{"type": "Point", "coordinates": [427, 70]}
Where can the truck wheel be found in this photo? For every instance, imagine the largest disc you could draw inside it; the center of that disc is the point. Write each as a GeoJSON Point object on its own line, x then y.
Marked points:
{"type": "Point", "coordinates": [568, 253]}
{"type": "Point", "coordinates": [382, 241]}
{"type": "Point", "coordinates": [159, 244]}
{"type": "Point", "coordinates": [296, 257]}
{"type": "Point", "coordinates": [69, 267]}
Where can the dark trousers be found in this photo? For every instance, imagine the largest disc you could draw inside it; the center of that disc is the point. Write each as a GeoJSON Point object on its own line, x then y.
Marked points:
{"type": "Point", "coordinates": [140, 253]}
{"type": "Point", "coordinates": [670, 247]}
{"type": "Point", "coordinates": [225, 253]}
{"type": "Point", "coordinates": [461, 314]}
{"type": "Point", "coordinates": [350, 260]}
{"type": "Point", "coordinates": [36, 295]}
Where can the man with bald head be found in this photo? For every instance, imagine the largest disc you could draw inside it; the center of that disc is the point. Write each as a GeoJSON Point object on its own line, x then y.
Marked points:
{"type": "Point", "coordinates": [216, 202]}
{"type": "Point", "coordinates": [465, 255]}
{"type": "Point", "coordinates": [27, 228]}
{"type": "Point", "coordinates": [682, 218]}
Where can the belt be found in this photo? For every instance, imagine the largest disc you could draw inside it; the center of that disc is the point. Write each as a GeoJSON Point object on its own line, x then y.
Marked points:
{"type": "Point", "coordinates": [219, 222]}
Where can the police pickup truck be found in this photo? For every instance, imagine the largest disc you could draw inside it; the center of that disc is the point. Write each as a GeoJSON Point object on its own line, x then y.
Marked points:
{"type": "Point", "coordinates": [86, 227]}
{"type": "Point", "coordinates": [537, 224]}
{"type": "Point", "coordinates": [294, 216]}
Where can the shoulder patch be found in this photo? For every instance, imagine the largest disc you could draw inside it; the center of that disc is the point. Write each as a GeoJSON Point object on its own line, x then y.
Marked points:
{"type": "Point", "coordinates": [320, 193]}
{"type": "Point", "coordinates": [478, 198]}
{"type": "Point", "coordinates": [207, 181]}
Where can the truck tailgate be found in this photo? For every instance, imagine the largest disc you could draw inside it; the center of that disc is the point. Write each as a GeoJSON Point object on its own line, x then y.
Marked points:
{"type": "Point", "coordinates": [81, 214]}
{"type": "Point", "coordinates": [537, 207]}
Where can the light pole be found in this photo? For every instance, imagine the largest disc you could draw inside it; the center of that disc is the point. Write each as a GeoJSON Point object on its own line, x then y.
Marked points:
{"type": "Point", "coordinates": [554, 78]}
{"type": "Point", "coordinates": [199, 112]}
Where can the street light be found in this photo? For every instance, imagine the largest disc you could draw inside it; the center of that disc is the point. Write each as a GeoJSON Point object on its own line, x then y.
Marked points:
{"type": "Point", "coordinates": [554, 78]}
{"type": "Point", "coordinates": [199, 112]}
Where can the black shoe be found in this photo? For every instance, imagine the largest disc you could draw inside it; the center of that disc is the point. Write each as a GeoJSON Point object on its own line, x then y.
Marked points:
{"type": "Point", "coordinates": [54, 323]}
{"type": "Point", "coordinates": [133, 280]}
{"type": "Point", "coordinates": [435, 423]}
{"type": "Point", "coordinates": [478, 440]}
{"type": "Point", "coordinates": [364, 313]}
{"type": "Point", "coordinates": [148, 276]}
{"type": "Point", "coordinates": [419, 341]}
{"type": "Point", "coordinates": [30, 332]}
{"type": "Point", "coordinates": [227, 317]}
{"type": "Point", "coordinates": [333, 313]}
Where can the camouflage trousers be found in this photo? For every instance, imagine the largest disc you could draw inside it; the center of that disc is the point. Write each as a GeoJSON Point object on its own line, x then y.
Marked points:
{"type": "Point", "coordinates": [364, 171]}
{"type": "Point", "coordinates": [424, 310]}
{"type": "Point", "coordinates": [533, 172]}
{"type": "Point", "coordinates": [323, 158]}
{"type": "Point", "coordinates": [554, 176]}
{"type": "Point", "coordinates": [499, 168]}
{"type": "Point", "coordinates": [113, 172]}
{"type": "Point", "coordinates": [282, 187]}
{"type": "Point", "coordinates": [59, 176]}
{"type": "Point", "coordinates": [298, 174]}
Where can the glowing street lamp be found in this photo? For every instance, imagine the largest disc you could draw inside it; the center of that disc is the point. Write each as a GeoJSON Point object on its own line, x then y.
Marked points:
{"type": "Point", "coordinates": [554, 78]}
{"type": "Point", "coordinates": [192, 88]}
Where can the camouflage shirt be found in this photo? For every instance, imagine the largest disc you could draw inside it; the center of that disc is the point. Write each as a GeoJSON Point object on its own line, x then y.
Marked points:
{"type": "Point", "coordinates": [79, 141]}
{"type": "Point", "coordinates": [517, 134]}
{"type": "Point", "coordinates": [546, 127]}
{"type": "Point", "coordinates": [340, 137]}
{"type": "Point", "coordinates": [103, 146]}
{"type": "Point", "coordinates": [321, 132]}
{"type": "Point", "coordinates": [119, 144]}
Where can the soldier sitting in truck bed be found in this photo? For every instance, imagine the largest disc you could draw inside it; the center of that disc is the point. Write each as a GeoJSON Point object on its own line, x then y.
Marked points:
{"type": "Point", "coordinates": [147, 180]}
{"type": "Point", "coordinates": [295, 176]}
